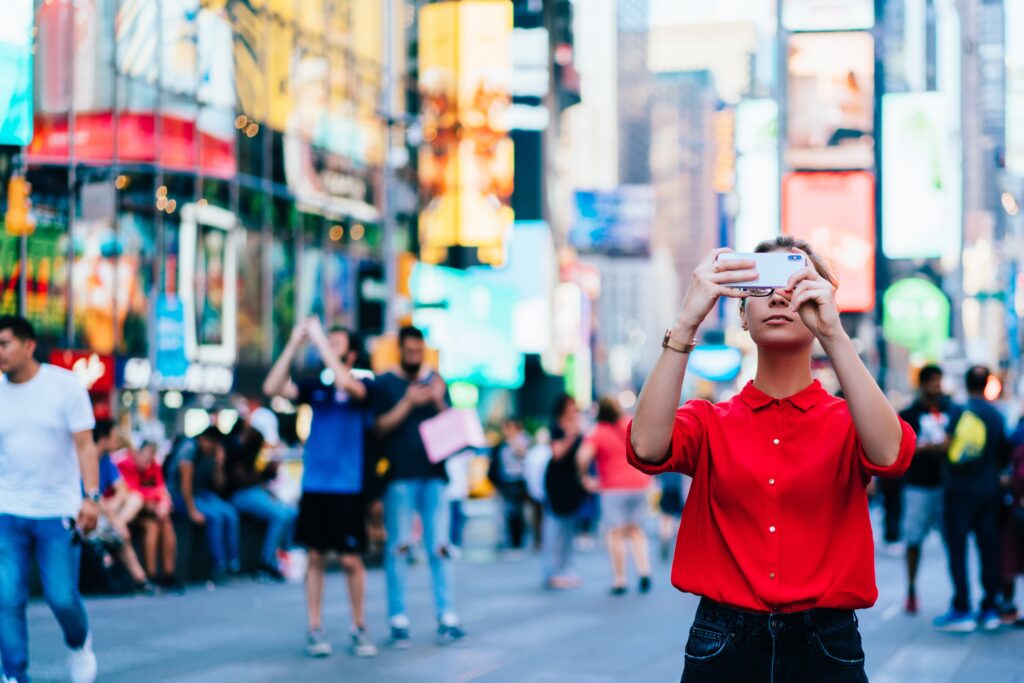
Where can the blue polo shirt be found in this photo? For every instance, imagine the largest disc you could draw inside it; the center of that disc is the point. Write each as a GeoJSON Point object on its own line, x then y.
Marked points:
{"type": "Point", "coordinates": [333, 457]}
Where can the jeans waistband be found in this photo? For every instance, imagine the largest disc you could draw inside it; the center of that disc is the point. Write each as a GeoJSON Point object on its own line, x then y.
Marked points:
{"type": "Point", "coordinates": [742, 621]}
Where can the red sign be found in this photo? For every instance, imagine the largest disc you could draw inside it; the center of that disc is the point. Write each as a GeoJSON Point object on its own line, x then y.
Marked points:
{"type": "Point", "coordinates": [137, 141]}
{"type": "Point", "coordinates": [95, 372]}
{"type": "Point", "coordinates": [835, 212]}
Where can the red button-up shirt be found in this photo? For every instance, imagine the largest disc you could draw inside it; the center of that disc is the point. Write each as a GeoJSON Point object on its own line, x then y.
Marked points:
{"type": "Point", "coordinates": [777, 515]}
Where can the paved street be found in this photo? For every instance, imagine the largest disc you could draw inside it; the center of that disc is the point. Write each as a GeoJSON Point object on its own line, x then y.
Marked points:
{"type": "Point", "coordinates": [518, 632]}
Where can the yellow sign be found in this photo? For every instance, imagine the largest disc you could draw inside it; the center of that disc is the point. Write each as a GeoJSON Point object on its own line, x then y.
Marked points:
{"type": "Point", "coordinates": [466, 161]}
{"type": "Point", "coordinates": [19, 219]}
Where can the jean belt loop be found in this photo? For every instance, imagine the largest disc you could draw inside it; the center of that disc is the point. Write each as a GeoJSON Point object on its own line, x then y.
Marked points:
{"type": "Point", "coordinates": [808, 620]}
{"type": "Point", "coordinates": [856, 621]}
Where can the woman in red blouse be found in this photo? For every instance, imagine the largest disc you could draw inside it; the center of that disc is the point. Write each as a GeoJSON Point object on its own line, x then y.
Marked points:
{"type": "Point", "coordinates": [776, 531]}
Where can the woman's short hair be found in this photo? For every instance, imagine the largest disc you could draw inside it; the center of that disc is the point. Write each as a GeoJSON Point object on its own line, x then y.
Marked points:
{"type": "Point", "coordinates": [608, 410]}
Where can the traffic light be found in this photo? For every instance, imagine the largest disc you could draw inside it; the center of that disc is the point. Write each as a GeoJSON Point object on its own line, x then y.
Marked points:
{"type": "Point", "coordinates": [19, 219]}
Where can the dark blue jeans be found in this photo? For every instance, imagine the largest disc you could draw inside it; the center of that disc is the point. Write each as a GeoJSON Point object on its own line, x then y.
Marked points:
{"type": "Point", "coordinates": [50, 542]}
{"type": "Point", "coordinates": [963, 513]}
{"type": "Point", "coordinates": [727, 645]}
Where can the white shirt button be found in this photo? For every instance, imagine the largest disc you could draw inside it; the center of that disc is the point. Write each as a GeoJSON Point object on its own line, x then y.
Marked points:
{"type": "Point", "coordinates": [771, 529]}
{"type": "Point", "coordinates": [776, 442]}
{"type": "Point", "coordinates": [771, 482]}
{"type": "Point", "coordinates": [771, 575]}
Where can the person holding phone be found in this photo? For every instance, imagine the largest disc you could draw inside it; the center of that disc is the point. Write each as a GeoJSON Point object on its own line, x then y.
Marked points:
{"type": "Point", "coordinates": [775, 535]}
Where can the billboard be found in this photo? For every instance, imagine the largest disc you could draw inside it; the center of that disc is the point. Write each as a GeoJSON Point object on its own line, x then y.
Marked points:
{"type": "Point", "coordinates": [617, 221]}
{"type": "Point", "coordinates": [921, 179]}
{"type": "Point", "coordinates": [16, 73]}
{"type": "Point", "coordinates": [827, 15]}
{"type": "Point", "coordinates": [831, 110]}
{"type": "Point", "coordinates": [1014, 19]}
{"type": "Point", "coordinates": [466, 160]}
{"type": "Point", "coordinates": [757, 172]}
{"type": "Point", "coordinates": [835, 212]}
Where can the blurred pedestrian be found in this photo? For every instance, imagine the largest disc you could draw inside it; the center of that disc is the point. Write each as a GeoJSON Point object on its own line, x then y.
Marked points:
{"type": "Point", "coordinates": [151, 502]}
{"type": "Point", "coordinates": [563, 495]}
{"type": "Point", "coordinates": [248, 471]}
{"type": "Point", "coordinates": [1013, 532]}
{"type": "Point", "coordinates": [403, 399]}
{"type": "Point", "coordinates": [623, 492]}
{"type": "Point", "coordinates": [118, 508]}
{"type": "Point", "coordinates": [507, 473]}
{"type": "Point", "coordinates": [977, 449]}
{"type": "Point", "coordinates": [333, 509]}
{"type": "Point", "coordinates": [777, 534]}
{"type": "Point", "coordinates": [670, 507]}
{"type": "Point", "coordinates": [457, 468]}
{"type": "Point", "coordinates": [933, 416]}
{"type": "Point", "coordinates": [47, 455]}
{"type": "Point", "coordinates": [197, 477]}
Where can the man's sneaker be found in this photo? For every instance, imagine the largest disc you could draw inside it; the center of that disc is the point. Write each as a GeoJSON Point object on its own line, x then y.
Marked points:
{"type": "Point", "coordinates": [989, 619]}
{"type": "Point", "coordinates": [910, 606]}
{"type": "Point", "coordinates": [449, 633]}
{"type": "Point", "coordinates": [955, 621]}
{"type": "Point", "coordinates": [399, 639]}
{"type": "Point", "coordinates": [362, 646]}
{"type": "Point", "coordinates": [317, 645]}
{"type": "Point", "coordinates": [269, 574]}
{"type": "Point", "coordinates": [82, 663]}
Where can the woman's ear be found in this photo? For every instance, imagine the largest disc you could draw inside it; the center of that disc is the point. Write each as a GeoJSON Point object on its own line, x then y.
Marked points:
{"type": "Point", "coordinates": [743, 315]}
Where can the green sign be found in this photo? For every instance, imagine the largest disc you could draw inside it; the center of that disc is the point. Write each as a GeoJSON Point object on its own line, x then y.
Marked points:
{"type": "Point", "coordinates": [916, 317]}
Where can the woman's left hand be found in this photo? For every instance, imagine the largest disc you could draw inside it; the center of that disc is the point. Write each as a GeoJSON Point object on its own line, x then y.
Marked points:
{"type": "Point", "coordinates": [813, 297]}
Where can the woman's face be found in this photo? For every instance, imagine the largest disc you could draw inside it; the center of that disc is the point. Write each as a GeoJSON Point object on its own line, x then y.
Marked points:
{"type": "Point", "coordinates": [772, 325]}
{"type": "Point", "coordinates": [144, 457]}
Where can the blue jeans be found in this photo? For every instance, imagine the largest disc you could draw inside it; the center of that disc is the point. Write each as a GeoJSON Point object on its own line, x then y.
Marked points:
{"type": "Point", "coordinates": [401, 500]}
{"type": "Point", "coordinates": [280, 519]}
{"type": "Point", "coordinates": [221, 529]}
{"type": "Point", "coordinates": [558, 536]}
{"type": "Point", "coordinates": [58, 557]}
{"type": "Point", "coordinates": [727, 645]}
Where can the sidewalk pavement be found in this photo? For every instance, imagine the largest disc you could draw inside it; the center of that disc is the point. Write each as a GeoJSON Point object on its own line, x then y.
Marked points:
{"type": "Point", "coordinates": [518, 632]}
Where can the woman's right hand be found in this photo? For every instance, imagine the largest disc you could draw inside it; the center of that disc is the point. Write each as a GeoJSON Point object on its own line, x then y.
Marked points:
{"type": "Point", "coordinates": [711, 281]}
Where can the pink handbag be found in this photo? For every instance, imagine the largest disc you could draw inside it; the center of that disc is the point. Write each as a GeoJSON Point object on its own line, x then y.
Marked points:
{"type": "Point", "coordinates": [450, 432]}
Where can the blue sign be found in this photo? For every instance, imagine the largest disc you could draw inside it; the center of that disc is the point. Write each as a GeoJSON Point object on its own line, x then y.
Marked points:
{"type": "Point", "coordinates": [716, 362]}
{"type": "Point", "coordinates": [171, 361]}
{"type": "Point", "coordinates": [617, 221]}
{"type": "Point", "coordinates": [16, 73]}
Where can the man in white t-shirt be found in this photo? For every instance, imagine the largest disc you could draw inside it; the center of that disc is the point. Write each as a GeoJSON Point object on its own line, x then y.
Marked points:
{"type": "Point", "coordinates": [47, 457]}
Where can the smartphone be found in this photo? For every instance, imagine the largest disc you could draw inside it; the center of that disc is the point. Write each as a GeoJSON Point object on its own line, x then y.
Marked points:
{"type": "Point", "coordinates": [774, 268]}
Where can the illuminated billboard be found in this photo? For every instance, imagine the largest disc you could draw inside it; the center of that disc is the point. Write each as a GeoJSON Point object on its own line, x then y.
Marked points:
{"type": "Point", "coordinates": [617, 221]}
{"type": "Point", "coordinates": [466, 160]}
{"type": "Point", "coordinates": [921, 179]}
{"type": "Point", "coordinates": [835, 212]}
{"type": "Point", "coordinates": [827, 15]}
{"type": "Point", "coordinates": [757, 172]}
{"type": "Point", "coordinates": [831, 91]}
{"type": "Point", "coordinates": [16, 73]}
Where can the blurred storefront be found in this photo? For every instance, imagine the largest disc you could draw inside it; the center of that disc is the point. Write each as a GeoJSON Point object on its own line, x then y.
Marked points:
{"type": "Point", "coordinates": [203, 173]}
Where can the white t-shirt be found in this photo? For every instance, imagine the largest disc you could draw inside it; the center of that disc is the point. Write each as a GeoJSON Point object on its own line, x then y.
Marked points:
{"type": "Point", "coordinates": [39, 470]}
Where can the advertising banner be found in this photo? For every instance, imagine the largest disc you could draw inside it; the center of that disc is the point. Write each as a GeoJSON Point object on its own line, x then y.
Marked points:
{"type": "Point", "coordinates": [921, 180]}
{"type": "Point", "coordinates": [831, 110]}
{"type": "Point", "coordinates": [16, 73]}
{"type": "Point", "coordinates": [827, 15]}
{"type": "Point", "coordinates": [613, 221]}
{"type": "Point", "coordinates": [466, 161]}
{"type": "Point", "coordinates": [835, 212]}
{"type": "Point", "coordinates": [757, 172]}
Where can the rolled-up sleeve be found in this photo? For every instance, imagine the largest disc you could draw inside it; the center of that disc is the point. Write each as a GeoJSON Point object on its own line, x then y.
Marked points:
{"type": "Point", "coordinates": [689, 432]}
{"type": "Point", "coordinates": [908, 443]}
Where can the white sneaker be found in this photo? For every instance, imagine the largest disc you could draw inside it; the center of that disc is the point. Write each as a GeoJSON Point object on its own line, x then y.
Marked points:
{"type": "Point", "coordinates": [362, 646]}
{"type": "Point", "coordinates": [82, 663]}
{"type": "Point", "coordinates": [317, 645]}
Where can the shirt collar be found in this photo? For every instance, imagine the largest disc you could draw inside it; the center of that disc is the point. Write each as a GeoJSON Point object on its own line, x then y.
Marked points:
{"type": "Point", "coordinates": [805, 399]}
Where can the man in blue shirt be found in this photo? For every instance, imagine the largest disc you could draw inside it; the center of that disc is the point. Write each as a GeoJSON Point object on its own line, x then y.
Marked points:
{"type": "Point", "coordinates": [332, 511]}
{"type": "Point", "coordinates": [976, 453]}
{"type": "Point", "coordinates": [402, 401]}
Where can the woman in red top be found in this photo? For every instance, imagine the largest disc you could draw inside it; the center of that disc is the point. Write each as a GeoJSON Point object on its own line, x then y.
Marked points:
{"type": "Point", "coordinates": [145, 479]}
{"type": "Point", "coordinates": [623, 494]}
{"type": "Point", "coordinates": [776, 528]}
